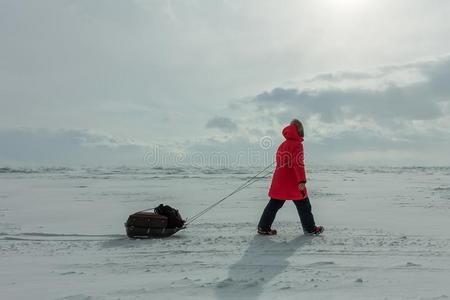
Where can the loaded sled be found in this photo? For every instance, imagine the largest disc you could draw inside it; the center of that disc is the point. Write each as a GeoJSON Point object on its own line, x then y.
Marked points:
{"type": "Point", "coordinates": [164, 221]}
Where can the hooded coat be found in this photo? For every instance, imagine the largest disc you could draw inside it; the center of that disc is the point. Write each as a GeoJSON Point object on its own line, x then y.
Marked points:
{"type": "Point", "coordinates": [290, 170]}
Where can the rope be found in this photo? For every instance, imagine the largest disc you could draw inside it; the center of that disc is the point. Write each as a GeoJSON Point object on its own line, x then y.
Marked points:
{"type": "Point", "coordinates": [240, 188]}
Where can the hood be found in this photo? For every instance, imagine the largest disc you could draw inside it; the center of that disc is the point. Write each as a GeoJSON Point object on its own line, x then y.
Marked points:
{"type": "Point", "coordinates": [290, 132]}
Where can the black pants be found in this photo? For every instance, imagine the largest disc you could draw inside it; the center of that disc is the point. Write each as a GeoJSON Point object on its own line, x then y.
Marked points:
{"type": "Point", "coordinates": [303, 209]}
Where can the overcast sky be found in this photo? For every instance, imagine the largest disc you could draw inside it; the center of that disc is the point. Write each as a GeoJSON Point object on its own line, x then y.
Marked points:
{"type": "Point", "coordinates": [84, 82]}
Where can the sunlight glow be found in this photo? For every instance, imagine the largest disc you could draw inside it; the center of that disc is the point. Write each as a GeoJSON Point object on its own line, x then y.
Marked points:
{"type": "Point", "coordinates": [346, 6]}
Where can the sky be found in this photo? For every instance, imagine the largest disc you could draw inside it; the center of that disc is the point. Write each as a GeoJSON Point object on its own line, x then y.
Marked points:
{"type": "Point", "coordinates": [159, 82]}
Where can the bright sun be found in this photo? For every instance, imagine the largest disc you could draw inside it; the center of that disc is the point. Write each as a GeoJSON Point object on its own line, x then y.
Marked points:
{"type": "Point", "coordinates": [346, 5]}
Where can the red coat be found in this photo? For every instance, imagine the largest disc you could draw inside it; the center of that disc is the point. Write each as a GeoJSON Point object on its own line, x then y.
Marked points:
{"type": "Point", "coordinates": [290, 170]}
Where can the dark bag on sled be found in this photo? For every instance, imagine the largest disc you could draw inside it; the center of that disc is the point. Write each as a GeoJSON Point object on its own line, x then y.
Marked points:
{"type": "Point", "coordinates": [164, 222]}
{"type": "Point", "coordinates": [144, 223]}
{"type": "Point", "coordinates": [174, 219]}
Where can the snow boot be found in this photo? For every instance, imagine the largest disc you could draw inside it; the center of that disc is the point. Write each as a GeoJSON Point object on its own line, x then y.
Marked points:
{"type": "Point", "coordinates": [316, 230]}
{"type": "Point", "coordinates": [267, 232]}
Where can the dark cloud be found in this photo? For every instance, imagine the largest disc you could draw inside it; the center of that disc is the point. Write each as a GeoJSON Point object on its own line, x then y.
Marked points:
{"type": "Point", "coordinates": [348, 75]}
{"type": "Point", "coordinates": [66, 147]}
{"type": "Point", "coordinates": [415, 101]}
{"type": "Point", "coordinates": [368, 148]}
{"type": "Point", "coordinates": [222, 123]}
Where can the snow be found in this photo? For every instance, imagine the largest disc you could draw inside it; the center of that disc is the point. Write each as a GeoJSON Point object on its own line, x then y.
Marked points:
{"type": "Point", "coordinates": [387, 236]}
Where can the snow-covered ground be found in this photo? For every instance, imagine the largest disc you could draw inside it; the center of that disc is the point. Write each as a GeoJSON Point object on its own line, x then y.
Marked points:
{"type": "Point", "coordinates": [62, 236]}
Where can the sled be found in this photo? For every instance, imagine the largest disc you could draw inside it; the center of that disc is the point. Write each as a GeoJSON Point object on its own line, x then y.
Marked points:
{"type": "Point", "coordinates": [148, 233]}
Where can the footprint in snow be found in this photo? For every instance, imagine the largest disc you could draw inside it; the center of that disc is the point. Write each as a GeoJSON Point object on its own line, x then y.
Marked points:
{"type": "Point", "coordinates": [410, 264]}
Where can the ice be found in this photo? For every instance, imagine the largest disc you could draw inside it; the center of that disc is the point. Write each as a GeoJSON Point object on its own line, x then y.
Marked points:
{"type": "Point", "coordinates": [387, 235]}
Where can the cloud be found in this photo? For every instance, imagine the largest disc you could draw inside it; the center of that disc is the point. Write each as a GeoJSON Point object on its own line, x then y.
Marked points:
{"type": "Point", "coordinates": [334, 104]}
{"type": "Point", "coordinates": [66, 147]}
{"type": "Point", "coordinates": [74, 147]}
{"type": "Point", "coordinates": [222, 123]}
{"type": "Point", "coordinates": [399, 99]}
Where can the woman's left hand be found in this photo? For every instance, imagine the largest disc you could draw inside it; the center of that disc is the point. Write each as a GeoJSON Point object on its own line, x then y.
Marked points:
{"type": "Point", "coordinates": [301, 186]}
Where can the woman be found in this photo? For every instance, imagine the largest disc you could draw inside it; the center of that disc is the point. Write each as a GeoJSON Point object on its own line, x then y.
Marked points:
{"type": "Point", "coordinates": [288, 183]}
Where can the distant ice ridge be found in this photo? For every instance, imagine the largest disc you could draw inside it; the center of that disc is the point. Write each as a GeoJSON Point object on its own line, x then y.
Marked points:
{"type": "Point", "coordinates": [210, 170]}
{"type": "Point", "coordinates": [24, 170]}
{"type": "Point", "coordinates": [127, 170]}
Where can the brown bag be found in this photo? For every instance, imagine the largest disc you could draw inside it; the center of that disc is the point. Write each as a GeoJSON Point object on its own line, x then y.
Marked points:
{"type": "Point", "coordinates": [146, 219]}
{"type": "Point", "coordinates": [145, 224]}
